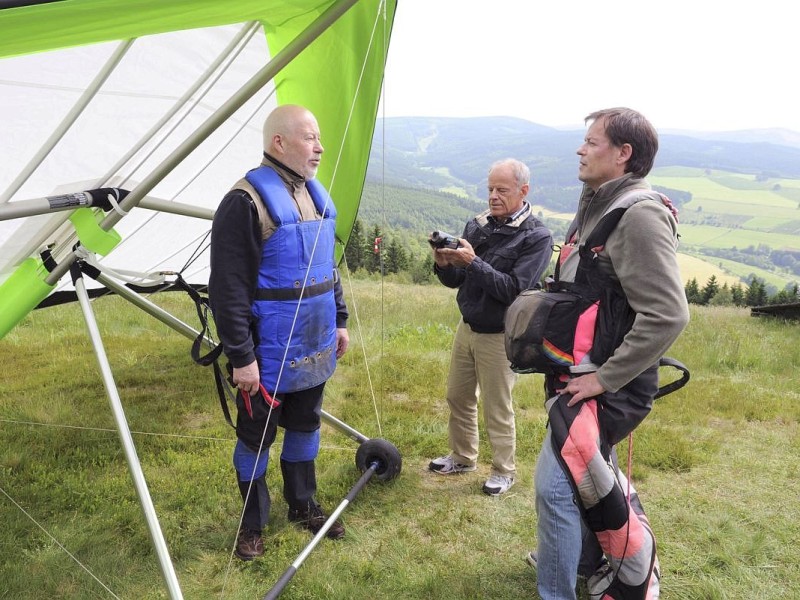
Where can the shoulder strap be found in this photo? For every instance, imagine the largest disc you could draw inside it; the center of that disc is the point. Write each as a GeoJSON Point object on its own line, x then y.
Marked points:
{"type": "Point", "coordinates": [263, 218]}
{"type": "Point", "coordinates": [270, 188]}
{"type": "Point", "coordinates": [608, 222]}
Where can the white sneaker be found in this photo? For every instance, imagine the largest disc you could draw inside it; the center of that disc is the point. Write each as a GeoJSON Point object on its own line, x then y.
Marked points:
{"type": "Point", "coordinates": [445, 465]}
{"type": "Point", "coordinates": [497, 484]}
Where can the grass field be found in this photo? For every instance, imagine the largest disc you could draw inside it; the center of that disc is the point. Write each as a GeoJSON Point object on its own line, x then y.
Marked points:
{"type": "Point", "coordinates": [693, 267]}
{"type": "Point", "coordinates": [715, 463]}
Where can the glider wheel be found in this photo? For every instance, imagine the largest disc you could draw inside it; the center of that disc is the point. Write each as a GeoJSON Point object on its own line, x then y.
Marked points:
{"type": "Point", "coordinates": [382, 452]}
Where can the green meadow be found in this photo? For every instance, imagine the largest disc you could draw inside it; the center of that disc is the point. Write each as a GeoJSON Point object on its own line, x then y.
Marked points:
{"type": "Point", "coordinates": [732, 210]}
{"type": "Point", "coordinates": [715, 464]}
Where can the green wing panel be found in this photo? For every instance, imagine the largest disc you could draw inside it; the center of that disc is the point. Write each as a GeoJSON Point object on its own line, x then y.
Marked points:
{"type": "Point", "coordinates": [42, 27]}
{"type": "Point", "coordinates": [339, 78]}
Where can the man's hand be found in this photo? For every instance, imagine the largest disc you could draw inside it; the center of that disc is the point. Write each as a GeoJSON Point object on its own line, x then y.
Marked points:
{"type": "Point", "coordinates": [247, 379]}
{"type": "Point", "coordinates": [342, 341]}
{"type": "Point", "coordinates": [439, 257]}
{"type": "Point", "coordinates": [458, 257]}
{"type": "Point", "coordinates": [582, 388]}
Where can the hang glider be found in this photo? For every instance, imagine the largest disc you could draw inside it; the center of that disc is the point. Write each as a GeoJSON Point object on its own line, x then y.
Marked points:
{"type": "Point", "coordinates": [166, 100]}
{"type": "Point", "coordinates": [126, 121]}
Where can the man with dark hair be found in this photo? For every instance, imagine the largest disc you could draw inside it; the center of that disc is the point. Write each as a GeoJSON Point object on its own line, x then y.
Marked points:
{"type": "Point", "coordinates": [280, 316]}
{"type": "Point", "coordinates": [590, 521]}
{"type": "Point", "coordinates": [503, 251]}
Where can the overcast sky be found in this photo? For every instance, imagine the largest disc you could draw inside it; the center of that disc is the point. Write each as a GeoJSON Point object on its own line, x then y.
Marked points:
{"type": "Point", "coordinates": [708, 65]}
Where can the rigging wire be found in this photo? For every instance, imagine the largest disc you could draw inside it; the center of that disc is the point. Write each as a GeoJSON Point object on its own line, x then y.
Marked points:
{"type": "Point", "coordinates": [142, 433]}
{"type": "Point", "coordinates": [251, 28]}
{"type": "Point", "coordinates": [305, 281]}
{"type": "Point", "coordinates": [194, 242]}
{"type": "Point", "coordinates": [381, 10]}
{"type": "Point", "coordinates": [226, 59]}
{"type": "Point", "coordinates": [56, 542]}
{"type": "Point", "coordinates": [58, 221]}
{"type": "Point", "coordinates": [209, 83]}
{"type": "Point", "coordinates": [383, 195]}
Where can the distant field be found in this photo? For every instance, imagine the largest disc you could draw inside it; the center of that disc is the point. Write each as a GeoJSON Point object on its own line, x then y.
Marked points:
{"type": "Point", "coordinates": [751, 204]}
{"type": "Point", "coordinates": [731, 210]}
{"type": "Point", "coordinates": [720, 237]}
{"type": "Point", "coordinates": [551, 214]}
{"type": "Point", "coordinates": [455, 190]}
{"type": "Point", "coordinates": [693, 267]}
{"type": "Point", "coordinates": [727, 210]}
{"type": "Point", "coordinates": [742, 270]}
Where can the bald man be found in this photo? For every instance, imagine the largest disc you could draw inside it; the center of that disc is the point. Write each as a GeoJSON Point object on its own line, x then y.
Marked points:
{"type": "Point", "coordinates": [281, 318]}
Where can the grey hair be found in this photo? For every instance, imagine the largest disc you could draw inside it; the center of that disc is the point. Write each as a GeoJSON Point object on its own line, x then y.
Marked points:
{"type": "Point", "coordinates": [521, 171]}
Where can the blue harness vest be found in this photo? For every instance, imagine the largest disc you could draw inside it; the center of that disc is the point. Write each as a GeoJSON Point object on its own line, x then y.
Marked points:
{"type": "Point", "coordinates": [296, 324]}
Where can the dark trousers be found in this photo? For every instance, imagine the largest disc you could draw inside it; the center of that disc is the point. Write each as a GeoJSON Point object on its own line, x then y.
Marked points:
{"type": "Point", "coordinates": [298, 411]}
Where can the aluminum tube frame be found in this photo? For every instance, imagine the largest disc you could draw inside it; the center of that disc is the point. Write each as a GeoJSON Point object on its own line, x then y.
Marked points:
{"type": "Point", "coordinates": [237, 40]}
{"type": "Point", "coordinates": [41, 238]}
{"type": "Point", "coordinates": [167, 569]}
{"type": "Point", "coordinates": [248, 90]}
{"type": "Point", "coordinates": [68, 120]}
{"type": "Point", "coordinates": [173, 322]}
{"type": "Point", "coordinates": [42, 206]}
{"type": "Point", "coordinates": [290, 572]}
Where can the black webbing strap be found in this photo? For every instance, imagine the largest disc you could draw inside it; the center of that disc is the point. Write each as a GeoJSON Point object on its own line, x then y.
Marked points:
{"type": "Point", "coordinates": [668, 388]}
{"type": "Point", "coordinates": [212, 356]}
{"type": "Point", "coordinates": [297, 293]}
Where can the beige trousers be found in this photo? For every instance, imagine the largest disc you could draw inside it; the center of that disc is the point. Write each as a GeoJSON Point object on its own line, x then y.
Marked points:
{"type": "Point", "coordinates": [479, 367]}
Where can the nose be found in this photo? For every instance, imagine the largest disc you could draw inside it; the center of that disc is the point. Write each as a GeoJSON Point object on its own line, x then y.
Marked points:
{"type": "Point", "coordinates": [319, 149]}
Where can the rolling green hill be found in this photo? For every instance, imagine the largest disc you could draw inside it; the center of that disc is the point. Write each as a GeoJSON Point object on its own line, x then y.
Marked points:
{"type": "Point", "coordinates": [739, 201]}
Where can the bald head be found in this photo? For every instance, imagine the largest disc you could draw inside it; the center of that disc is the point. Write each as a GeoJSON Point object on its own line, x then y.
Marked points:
{"type": "Point", "coordinates": [291, 135]}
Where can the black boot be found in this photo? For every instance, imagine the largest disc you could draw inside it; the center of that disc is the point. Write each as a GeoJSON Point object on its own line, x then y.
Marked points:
{"type": "Point", "coordinates": [299, 487]}
{"type": "Point", "coordinates": [256, 503]}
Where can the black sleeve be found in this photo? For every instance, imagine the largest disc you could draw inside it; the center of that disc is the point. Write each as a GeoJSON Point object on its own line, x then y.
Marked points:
{"type": "Point", "coordinates": [341, 307]}
{"type": "Point", "coordinates": [235, 258]}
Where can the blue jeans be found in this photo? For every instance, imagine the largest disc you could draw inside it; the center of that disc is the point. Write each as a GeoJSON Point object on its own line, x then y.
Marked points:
{"type": "Point", "coordinates": [564, 546]}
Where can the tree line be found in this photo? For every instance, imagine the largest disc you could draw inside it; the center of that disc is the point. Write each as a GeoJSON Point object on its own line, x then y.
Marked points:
{"type": "Point", "coordinates": [754, 293]}
{"type": "Point", "coordinates": [375, 250]}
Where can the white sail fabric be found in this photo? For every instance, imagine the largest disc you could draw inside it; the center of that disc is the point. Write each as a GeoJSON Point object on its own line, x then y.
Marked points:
{"type": "Point", "coordinates": [38, 91]}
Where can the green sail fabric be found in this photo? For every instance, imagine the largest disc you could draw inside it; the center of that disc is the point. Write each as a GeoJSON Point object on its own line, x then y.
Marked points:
{"type": "Point", "coordinates": [338, 77]}
{"type": "Point", "coordinates": [347, 62]}
{"type": "Point", "coordinates": [63, 24]}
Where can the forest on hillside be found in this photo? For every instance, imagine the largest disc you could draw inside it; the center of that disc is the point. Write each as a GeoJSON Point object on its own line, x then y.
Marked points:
{"type": "Point", "coordinates": [739, 201]}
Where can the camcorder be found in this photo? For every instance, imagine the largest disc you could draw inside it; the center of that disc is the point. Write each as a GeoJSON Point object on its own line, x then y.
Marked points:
{"type": "Point", "coordinates": [440, 239]}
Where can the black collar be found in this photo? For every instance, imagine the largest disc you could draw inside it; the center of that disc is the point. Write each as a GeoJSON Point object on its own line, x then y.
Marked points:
{"type": "Point", "coordinates": [280, 165]}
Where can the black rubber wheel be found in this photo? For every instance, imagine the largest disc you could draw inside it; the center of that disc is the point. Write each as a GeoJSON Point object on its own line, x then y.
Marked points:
{"type": "Point", "coordinates": [382, 452]}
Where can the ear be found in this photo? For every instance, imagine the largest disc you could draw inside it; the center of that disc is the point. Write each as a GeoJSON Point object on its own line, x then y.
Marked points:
{"type": "Point", "coordinates": [625, 153]}
{"type": "Point", "coordinates": [525, 189]}
{"type": "Point", "coordinates": [277, 142]}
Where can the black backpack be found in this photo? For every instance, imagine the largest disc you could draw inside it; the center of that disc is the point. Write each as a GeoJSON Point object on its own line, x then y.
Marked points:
{"type": "Point", "coordinates": [571, 328]}
{"type": "Point", "coordinates": [553, 330]}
